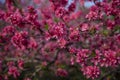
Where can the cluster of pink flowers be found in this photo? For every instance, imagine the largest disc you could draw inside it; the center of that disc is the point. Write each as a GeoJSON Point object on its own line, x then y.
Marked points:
{"type": "Point", "coordinates": [110, 59]}
{"type": "Point", "coordinates": [55, 33]}
{"type": "Point", "coordinates": [91, 71]}
{"type": "Point", "coordinates": [20, 40]}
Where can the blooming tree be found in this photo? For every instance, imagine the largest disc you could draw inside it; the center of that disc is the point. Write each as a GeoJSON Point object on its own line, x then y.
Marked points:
{"type": "Point", "coordinates": [56, 39]}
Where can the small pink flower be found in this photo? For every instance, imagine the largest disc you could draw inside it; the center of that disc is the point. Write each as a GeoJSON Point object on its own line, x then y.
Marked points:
{"type": "Point", "coordinates": [72, 60]}
{"type": "Point", "coordinates": [75, 15]}
{"type": "Point", "coordinates": [33, 43]}
{"type": "Point", "coordinates": [74, 34]}
{"type": "Point", "coordinates": [20, 64]}
{"type": "Point", "coordinates": [82, 56]}
{"type": "Point", "coordinates": [61, 72]}
{"type": "Point", "coordinates": [60, 11]}
{"type": "Point", "coordinates": [72, 50]}
{"type": "Point", "coordinates": [110, 24]}
{"type": "Point", "coordinates": [27, 79]}
{"type": "Point", "coordinates": [10, 64]}
{"type": "Point", "coordinates": [62, 42]}
{"type": "Point", "coordinates": [72, 7]}
{"type": "Point", "coordinates": [13, 71]}
{"type": "Point", "coordinates": [84, 27]}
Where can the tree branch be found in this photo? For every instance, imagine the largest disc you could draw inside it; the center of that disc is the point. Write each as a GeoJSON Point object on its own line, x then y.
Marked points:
{"type": "Point", "coordinates": [109, 73]}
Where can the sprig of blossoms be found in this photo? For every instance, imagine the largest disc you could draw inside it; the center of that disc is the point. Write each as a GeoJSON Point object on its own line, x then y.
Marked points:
{"type": "Point", "coordinates": [55, 35]}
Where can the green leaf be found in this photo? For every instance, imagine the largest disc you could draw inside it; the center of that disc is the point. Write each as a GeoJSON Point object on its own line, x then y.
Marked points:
{"type": "Point", "coordinates": [46, 27]}
{"type": "Point", "coordinates": [105, 32]}
{"type": "Point", "coordinates": [56, 20]}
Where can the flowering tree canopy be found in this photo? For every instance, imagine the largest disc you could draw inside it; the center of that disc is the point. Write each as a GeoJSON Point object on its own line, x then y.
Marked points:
{"type": "Point", "coordinates": [55, 39]}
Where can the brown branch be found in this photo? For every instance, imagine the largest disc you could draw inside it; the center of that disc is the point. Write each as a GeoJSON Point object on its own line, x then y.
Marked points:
{"type": "Point", "coordinates": [55, 58]}
{"type": "Point", "coordinates": [109, 73]}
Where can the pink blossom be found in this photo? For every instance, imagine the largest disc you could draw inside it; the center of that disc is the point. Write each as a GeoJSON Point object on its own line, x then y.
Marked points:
{"type": "Point", "coordinates": [13, 71]}
{"type": "Point", "coordinates": [72, 7]}
{"type": "Point", "coordinates": [20, 64]}
{"type": "Point", "coordinates": [84, 27]}
{"type": "Point", "coordinates": [110, 59]}
{"type": "Point", "coordinates": [74, 34]}
{"type": "Point", "coordinates": [20, 40]}
{"type": "Point", "coordinates": [91, 71]}
{"type": "Point", "coordinates": [60, 12]}
{"type": "Point", "coordinates": [61, 72]}
{"type": "Point", "coordinates": [62, 42]}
